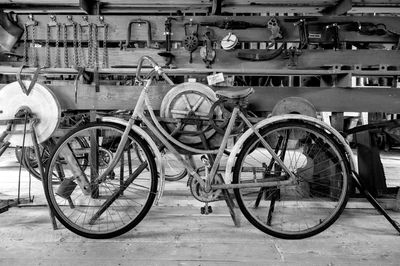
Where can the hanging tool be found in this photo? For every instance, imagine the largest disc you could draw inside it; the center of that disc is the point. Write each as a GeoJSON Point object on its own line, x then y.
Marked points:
{"type": "Point", "coordinates": [168, 56]}
{"type": "Point", "coordinates": [52, 24]}
{"type": "Point", "coordinates": [10, 32]}
{"type": "Point", "coordinates": [232, 24]}
{"type": "Point", "coordinates": [229, 42]}
{"type": "Point", "coordinates": [73, 25]}
{"type": "Point", "coordinates": [191, 40]}
{"type": "Point", "coordinates": [325, 35]}
{"type": "Point", "coordinates": [31, 23]}
{"type": "Point", "coordinates": [207, 52]}
{"type": "Point", "coordinates": [105, 39]}
{"type": "Point", "coordinates": [129, 33]}
{"type": "Point", "coordinates": [273, 26]}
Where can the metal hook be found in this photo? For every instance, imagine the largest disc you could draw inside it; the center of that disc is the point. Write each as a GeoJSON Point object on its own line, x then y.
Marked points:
{"type": "Point", "coordinates": [70, 22]}
{"type": "Point", "coordinates": [53, 21]}
{"type": "Point", "coordinates": [31, 21]}
{"type": "Point", "coordinates": [85, 22]}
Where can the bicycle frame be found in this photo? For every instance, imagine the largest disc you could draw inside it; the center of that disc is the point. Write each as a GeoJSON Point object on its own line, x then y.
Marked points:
{"type": "Point", "coordinates": [138, 114]}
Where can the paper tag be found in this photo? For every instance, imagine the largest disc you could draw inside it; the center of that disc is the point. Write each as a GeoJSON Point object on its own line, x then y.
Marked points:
{"type": "Point", "coordinates": [214, 79]}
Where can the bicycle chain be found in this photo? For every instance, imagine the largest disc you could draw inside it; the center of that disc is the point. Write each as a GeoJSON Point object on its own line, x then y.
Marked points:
{"type": "Point", "coordinates": [90, 46]}
{"type": "Point", "coordinates": [74, 44]}
{"type": "Point", "coordinates": [47, 46]}
{"type": "Point", "coordinates": [25, 55]}
{"type": "Point", "coordinates": [81, 54]}
{"type": "Point", "coordinates": [66, 62]}
{"type": "Point", "coordinates": [105, 48]}
{"type": "Point", "coordinates": [35, 62]}
{"type": "Point", "coordinates": [58, 61]}
{"type": "Point", "coordinates": [96, 45]}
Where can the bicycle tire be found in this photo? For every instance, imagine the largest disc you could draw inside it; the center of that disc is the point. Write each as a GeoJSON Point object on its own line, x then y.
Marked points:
{"type": "Point", "coordinates": [113, 207]}
{"type": "Point", "coordinates": [314, 201]}
{"type": "Point", "coordinates": [30, 162]}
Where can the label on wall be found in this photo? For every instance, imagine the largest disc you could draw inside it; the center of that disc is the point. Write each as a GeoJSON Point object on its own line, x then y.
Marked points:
{"type": "Point", "coordinates": [214, 79]}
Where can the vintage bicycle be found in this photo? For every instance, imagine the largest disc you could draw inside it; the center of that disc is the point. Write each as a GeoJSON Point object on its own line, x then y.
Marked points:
{"type": "Point", "coordinates": [290, 174]}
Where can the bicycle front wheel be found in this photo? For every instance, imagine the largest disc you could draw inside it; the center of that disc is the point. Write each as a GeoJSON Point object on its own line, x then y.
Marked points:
{"type": "Point", "coordinates": [115, 203]}
{"type": "Point", "coordinates": [307, 205]}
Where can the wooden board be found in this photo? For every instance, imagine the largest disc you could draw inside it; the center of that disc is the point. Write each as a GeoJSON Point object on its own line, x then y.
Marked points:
{"type": "Point", "coordinates": [324, 99]}
{"type": "Point", "coordinates": [228, 61]}
{"type": "Point", "coordinates": [119, 24]}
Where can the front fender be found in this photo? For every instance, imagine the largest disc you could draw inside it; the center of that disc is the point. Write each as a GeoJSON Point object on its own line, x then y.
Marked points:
{"type": "Point", "coordinates": [287, 117]}
{"type": "Point", "coordinates": [157, 154]}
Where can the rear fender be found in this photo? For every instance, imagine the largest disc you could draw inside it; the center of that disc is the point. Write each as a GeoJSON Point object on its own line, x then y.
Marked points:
{"type": "Point", "coordinates": [287, 117]}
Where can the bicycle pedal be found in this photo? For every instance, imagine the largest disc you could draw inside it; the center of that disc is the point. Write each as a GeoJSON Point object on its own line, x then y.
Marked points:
{"type": "Point", "coordinates": [66, 188]}
{"type": "Point", "coordinates": [206, 210]}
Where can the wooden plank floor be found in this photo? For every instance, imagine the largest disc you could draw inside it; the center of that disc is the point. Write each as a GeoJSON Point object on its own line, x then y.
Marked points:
{"type": "Point", "coordinates": [175, 233]}
{"type": "Point", "coordinates": [181, 236]}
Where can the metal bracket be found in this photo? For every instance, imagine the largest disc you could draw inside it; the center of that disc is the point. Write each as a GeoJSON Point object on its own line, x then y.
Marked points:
{"type": "Point", "coordinates": [129, 32]}
{"type": "Point", "coordinates": [33, 81]}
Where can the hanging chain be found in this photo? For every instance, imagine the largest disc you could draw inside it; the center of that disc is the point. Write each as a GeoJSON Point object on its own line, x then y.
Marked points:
{"type": "Point", "coordinates": [47, 46]}
{"type": "Point", "coordinates": [35, 62]}
{"type": "Point", "coordinates": [81, 54]}
{"type": "Point", "coordinates": [96, 45]}
{"type": "Point", "coordinates": [90, 46]}
{"type": "Point", "coordinates": [66, 62]}
{"type": "Point", "coordinates": [105, 48]}
{"type": "Point", "coordinates": [25, 56]}
{"type": "Point", "coordinates": [58, 61]}
{"type": "Point", "coordinates": [74, 43]}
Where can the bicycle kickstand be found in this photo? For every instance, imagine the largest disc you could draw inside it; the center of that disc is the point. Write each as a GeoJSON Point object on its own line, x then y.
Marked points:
{"type": "Point", "coordinates": [374, 202]}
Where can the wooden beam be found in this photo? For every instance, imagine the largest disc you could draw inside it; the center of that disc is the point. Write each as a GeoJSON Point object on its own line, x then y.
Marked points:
{"type": "Point", "coordinates": [317, 62]}
{"type": "Point", "coordinates": [375, 10]}
{"type": "Point", "coordinates": [334, 99]}
{"type": "Point", "coordinates": [341, 8]}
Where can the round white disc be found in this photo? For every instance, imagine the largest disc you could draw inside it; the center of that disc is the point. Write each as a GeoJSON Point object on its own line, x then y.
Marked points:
{"type": "Point", "coordinates": [43, 105]}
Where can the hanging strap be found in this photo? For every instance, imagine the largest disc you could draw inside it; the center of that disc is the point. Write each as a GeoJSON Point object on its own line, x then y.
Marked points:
{"type": "Point", "coordinates": [80, 72]}
{"type": "Point", "coordinates": [33, 80]}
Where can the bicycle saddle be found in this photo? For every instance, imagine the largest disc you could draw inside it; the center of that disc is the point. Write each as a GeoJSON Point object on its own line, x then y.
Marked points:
{"type": "Point", "coordinates": [236, 94]}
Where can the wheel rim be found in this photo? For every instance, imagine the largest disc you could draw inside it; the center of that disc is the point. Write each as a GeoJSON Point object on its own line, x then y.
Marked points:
{"type": "Point", "coordinates": [77, 211]}
{"type": "Point", "coordinates": [306, 207]}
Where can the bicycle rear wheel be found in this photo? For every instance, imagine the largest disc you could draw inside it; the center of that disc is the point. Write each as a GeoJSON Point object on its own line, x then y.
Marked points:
{"type": "Point", "coordinates": [310, 204]}
{"type": "Point", "coordinates": [117, 202]}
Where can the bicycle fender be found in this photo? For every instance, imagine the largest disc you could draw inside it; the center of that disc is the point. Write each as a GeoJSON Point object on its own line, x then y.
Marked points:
{"type": "Point", "coordinates": [159, 159]}
{"type": "Point", "coordinates": [287, 117]}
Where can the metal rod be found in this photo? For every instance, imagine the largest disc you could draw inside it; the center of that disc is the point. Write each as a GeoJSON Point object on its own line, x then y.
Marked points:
{"type": "Point", "coordinates": [374, 202]}
{"type": "Point", "coordinates": [41, 170]}
{"type": "Point", "coordinates": [252, 185]}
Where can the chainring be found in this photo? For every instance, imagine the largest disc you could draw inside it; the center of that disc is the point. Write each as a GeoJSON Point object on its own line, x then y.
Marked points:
{"type": "Point", "coordinates": [198, 192]}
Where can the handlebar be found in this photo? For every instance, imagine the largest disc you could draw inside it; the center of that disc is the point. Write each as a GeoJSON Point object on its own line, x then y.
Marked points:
{"type": "Point", "coordinates": [153, 64]}
{"type": "Point", "coordinates": [156, 67]}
